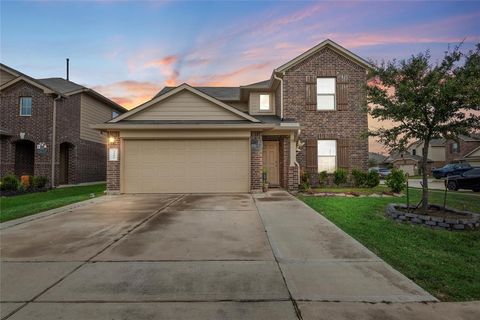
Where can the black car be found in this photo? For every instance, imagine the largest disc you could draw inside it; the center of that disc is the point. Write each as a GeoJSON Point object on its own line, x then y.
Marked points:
{"type": "Point", "coordinates": [467, 180]}
{"type": "Point", "coordinates": [451, 169]}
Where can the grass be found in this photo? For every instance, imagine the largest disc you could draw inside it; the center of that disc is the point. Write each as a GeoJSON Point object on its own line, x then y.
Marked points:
{"type": "Point", "coordinates": [24, 205]}
{"type": "Point", "coordinates": [445, 263]}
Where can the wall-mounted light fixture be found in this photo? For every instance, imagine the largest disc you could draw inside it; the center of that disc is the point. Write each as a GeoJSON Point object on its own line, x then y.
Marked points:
{"type": "Point", "coordinates": [111, 140]}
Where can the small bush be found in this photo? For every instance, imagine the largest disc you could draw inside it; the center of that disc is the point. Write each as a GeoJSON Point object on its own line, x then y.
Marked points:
{"type": "Point", "coordinates": [373, 179]}
{"type": "Point", "coordinates": [10, 183]}
{"type": "Point", "coordinates": [359, 178]}
{"type": "Point", "coordinates": [39, 182]}
{"type": "Point", "coordinates": [340, 176]}
{"type": "Point", "coordinates": [322, 178]}
{"type": "Point", "coordinates": [305, 182]}
{"type": "Point", "coordinates": [396, 180]}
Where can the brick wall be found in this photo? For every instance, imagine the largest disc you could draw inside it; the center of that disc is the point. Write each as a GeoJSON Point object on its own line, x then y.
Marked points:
{"type": "Point", "coordinates": [256, 161]}
{"type": "Point", "coordinates": [113, 167]}
{"type": "Point", "coordinates": [464, 148]}
{"type": "Point", "coordinates": [347, 124]}
{"type": "Point", "coordinates": [87, 160]}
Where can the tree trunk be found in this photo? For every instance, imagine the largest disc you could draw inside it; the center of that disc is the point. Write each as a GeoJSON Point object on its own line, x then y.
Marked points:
{"type": "Point", "coordinates": [424, 176]}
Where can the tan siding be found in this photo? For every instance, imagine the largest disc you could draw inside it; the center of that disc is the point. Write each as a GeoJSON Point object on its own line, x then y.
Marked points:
{"type": "Point", "coordinates": [435, 153]}
{"type": "Point", "coordinates": [93, 112]}
{"type": "Point", "coordinates": [185, 106]}
{"type": "Point", "coordinates": [254, 103]}
{"type": "Point", "coordinates": [5, 77]}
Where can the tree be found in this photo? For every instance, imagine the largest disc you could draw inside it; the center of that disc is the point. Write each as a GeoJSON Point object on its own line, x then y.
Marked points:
{"type": "Point", "coordinates": [426, 101]}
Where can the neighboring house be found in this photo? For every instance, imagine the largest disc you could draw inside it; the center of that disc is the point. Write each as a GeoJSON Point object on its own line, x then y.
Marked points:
{"type": "Point", "coordinates": [473, 157]}
{"type": "Point", "coordinates": [409, 163]}
{"type": "Point", "coordinates": [220, 139]}
{"type": "Point", "coordinates": [376, 159]}
{"type": "Point", "coordinates": [457, 150]}
{"type": "Point", "coordinates": [41, 117]}
{"type": "Point", "coordinates": [436, 151]}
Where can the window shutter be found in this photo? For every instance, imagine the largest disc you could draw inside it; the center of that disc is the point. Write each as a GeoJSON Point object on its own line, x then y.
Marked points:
{"type": "Point", "coordinates": [311, 92]}
{"type": "Point", "coordinates": [342, 92]}
{"type": "Point", "coordinates": [311, 148]}
{"type": "Point", "coordinates": [343, 153]}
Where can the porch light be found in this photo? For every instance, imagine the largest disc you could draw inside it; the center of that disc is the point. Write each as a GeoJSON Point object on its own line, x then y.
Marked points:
{"type": "Point", "coordinates": [111, 140]}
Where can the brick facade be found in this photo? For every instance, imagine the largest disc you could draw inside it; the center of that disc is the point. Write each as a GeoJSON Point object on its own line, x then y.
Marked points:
{"type": "Point", "coordinates": [348, 124]}
{"type": "Point", "coordinates": [464, 148]}
{"type": "Point", "coordinates": [256, 161]}
{"type": "Point", "coordinates": [113, 167]}
{"type": "Point", "coordinates": [86, 160]}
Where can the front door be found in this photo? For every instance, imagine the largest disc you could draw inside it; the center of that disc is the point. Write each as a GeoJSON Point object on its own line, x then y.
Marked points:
{"type": "Point", "coordinates": [271, 162]}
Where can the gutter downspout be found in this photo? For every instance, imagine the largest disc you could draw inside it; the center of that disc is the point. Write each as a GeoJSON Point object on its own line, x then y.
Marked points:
{"type": "Point", "coordinates": [54, 135]}
{"type": "Point", "coordinates": [281, 94]}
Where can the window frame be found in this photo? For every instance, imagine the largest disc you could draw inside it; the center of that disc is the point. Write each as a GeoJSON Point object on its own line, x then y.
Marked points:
{"type": "Point", "coordinates": [327, 156]}
{"type": "Point", "coordinates": [21, 106]}
{"type": "Point", "coordinates": [334, 94]}
{"type": "Point", "coordinates": [260, 102]}
{"type": "Point", "coordinates": [455, 147]}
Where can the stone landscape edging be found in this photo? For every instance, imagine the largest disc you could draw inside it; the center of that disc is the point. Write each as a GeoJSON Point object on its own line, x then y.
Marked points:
{"type": "Point", "coordinates": [467, 223]}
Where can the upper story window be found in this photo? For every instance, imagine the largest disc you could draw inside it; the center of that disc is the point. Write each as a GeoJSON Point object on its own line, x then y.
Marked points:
{"type": "Point", "coordinates": [327, 155]}
{"type": "Point", "coordinates": [264, 102]}
{"type": "Point", "coordinates": [455, 148]}
{"type": "Point", "coordinates": [25, 106]}
{"type": "Point", "coordinates": [325, 93]}
{"type": "Point", "coordinates": [114, 114]}
{"type": "Point", "coordinates": [414, 152]}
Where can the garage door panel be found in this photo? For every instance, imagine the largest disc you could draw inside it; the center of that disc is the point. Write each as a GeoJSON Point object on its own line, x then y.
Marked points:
{"type": "Point", "coordinates": [186, 166]}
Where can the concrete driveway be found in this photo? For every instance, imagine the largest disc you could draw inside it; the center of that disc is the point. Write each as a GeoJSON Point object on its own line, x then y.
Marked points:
{"type": "Point", "coordinates": [194, 257]}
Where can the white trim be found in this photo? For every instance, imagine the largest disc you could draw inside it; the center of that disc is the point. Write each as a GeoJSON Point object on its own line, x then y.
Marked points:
{"type": "Point", "coordinates": [472, 152]}
{"type": "Point", "coordinates": [172, 92]}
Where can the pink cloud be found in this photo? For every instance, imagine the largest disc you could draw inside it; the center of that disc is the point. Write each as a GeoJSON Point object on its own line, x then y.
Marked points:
{"type": "Point", "coordinates": [129, 93]}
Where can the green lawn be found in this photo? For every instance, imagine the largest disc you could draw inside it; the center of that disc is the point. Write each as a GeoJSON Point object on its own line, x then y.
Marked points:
{"type": "Point", "coordinates": [445, 263]}
{"type": "Point", "coordinates": [23, 205]}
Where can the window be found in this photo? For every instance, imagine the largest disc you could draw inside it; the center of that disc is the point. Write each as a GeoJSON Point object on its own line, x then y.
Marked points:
{"type": "Point", "coordinates": [25, 106]}
{"type": "Point", "coordinates": [327, 155]}
{"type": "Point", "coordinates": [414, 152]}
{"type": "Point", "coordinates": [114, 114]}
{"type": "Point", "coordinates": [325, 93]}
{"type": "Point", "coordinates": [264, 102]}
{"type": "Point", "coordinates": [455, 148]}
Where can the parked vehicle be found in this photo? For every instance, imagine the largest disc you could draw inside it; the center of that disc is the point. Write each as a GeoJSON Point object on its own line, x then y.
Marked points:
{"type": "Point", "coordinates": [451, 169]}
{"type": "Point", "coordinates": [468, 180]}
{"type": "Point", "coordinates": [382, 172]}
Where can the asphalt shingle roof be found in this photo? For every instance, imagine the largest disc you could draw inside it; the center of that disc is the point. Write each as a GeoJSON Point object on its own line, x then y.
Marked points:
{"type": "Point", "coordinates": [61, 85]}
{"type": "Point", "coordinates": [220, 93]}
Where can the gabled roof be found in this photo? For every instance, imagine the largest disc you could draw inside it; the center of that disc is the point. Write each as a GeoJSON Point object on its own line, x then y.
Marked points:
{"type": "Point", "coordinates": [220, 93]}
{"type": "Point", "coordinates": [472, 152]}
{"type": "Point", "coordinates": [176, 90]}
{"type": "Point", "coordinates": [327, 43]}
{"type": "Point", "coordinates": [58, 86]}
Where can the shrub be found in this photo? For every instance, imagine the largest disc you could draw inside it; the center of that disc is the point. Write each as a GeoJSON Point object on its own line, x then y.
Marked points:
{"type": "Point", "coordinates": [39, 182]}
{"type": "Point", "coordinates": [305, 182]}
{"type": "Point", "coordinates": [373, 179]}
{"type": "Point", "coordinates": [340, 176]}
{"type": "Point", "coordinates": [359, 178]}
{"type": "Point", "coordinates": [396, 180]}
{"type": "Point", "coordinates": [10, 183]}
{"type": "Point", "coordinates": [322, 178]}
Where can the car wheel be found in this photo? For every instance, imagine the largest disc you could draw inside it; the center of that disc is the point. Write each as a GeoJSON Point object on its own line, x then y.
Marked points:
{"type": "Point", "coordinates": [452, 185]}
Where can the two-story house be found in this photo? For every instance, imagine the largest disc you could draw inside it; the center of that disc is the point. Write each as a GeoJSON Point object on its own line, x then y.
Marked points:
{"type": "Point", "coordinates": [40, 118]}
{"type": "Point", "coordinates": [307, 117]}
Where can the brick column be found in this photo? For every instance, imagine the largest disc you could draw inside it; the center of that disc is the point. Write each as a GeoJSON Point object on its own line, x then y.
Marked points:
{"type": "Point", "coordinates": [113, 167]}
{"type": "Point", "coordinates": [256, 161]}
{"type": "Point", "coordinates": [293, 178]}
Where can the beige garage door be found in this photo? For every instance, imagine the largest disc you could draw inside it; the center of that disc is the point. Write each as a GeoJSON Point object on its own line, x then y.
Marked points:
{"type": "Point", "coordinates": [186, 166]}
{"type": "Point", "coordinates": [408, 168]}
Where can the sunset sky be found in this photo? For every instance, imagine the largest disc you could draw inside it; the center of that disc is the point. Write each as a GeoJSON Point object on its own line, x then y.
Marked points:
{"type": "Point", "coordinates": [129, 50]}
